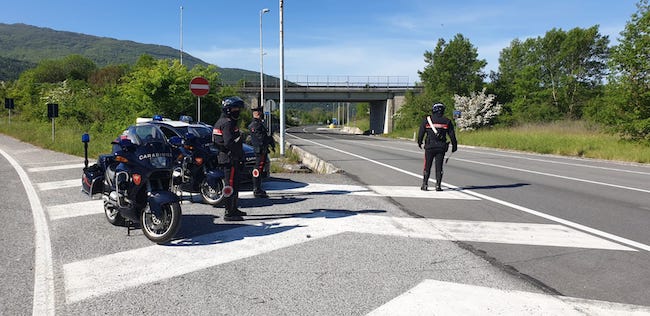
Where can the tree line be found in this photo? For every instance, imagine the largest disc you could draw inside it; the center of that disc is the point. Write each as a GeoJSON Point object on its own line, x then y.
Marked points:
{"type": "Point", "coordinates": [562, 75]}
{"type": "Point", "coordinates": [97, 99]}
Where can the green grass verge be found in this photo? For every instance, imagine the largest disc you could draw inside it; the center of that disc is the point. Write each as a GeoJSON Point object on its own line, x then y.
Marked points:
{"type": "Point", "coordinates": [566, 138]}
{"type": "Point", "coordinates": [279, 162]}
{"type": "Point", "coordinates": [67, 139]}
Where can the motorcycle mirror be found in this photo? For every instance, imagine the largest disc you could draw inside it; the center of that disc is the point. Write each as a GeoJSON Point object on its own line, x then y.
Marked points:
{"type": "Point", "coordinates": [85, 138]}
{"type": "Point", "coordinates": [126, 144]}
{"type": "Point", "coordinates": [175, 141]}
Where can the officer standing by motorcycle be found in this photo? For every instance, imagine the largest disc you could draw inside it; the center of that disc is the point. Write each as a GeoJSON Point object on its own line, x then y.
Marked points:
{"type": "Point", "coordinates": [436, 127]}
{"type": "Point", "coordinates": [228, 140]}
{"type": "Point", "coordinates": [261, 141]}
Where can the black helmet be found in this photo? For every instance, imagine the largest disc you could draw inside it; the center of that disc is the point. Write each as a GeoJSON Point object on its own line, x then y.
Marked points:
{"type": "Point", "coordinates": [438, 108]}
{"type": "Point", "coordinates": [232, 102]}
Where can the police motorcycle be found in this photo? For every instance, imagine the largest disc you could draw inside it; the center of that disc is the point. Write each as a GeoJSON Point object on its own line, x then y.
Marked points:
{"type": "Point", "coordinates": [135, 183]}
{"type": "Point", "coordinates": [196, 169]}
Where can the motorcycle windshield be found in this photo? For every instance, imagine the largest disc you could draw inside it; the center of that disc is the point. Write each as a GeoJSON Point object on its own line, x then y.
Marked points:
{"type": "Point", "coordinates": [152, 148]}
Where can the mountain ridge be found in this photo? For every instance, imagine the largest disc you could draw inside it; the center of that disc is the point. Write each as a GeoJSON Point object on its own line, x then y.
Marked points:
{"type": "Point", "coordinates": [23, 46]}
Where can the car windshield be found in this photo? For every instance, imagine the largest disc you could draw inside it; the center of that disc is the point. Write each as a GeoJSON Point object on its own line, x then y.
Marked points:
{"type": "Point", "coordinates": [143, 134]}
{"type": "Point", "coordinates": [203, 132]}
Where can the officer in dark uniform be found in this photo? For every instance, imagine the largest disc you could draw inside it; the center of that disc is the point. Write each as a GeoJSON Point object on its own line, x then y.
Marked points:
{"type": "Point", "coordinates": [436, 127]}
{"type": "Point", "coordinates": [261, 141]}
{"type": "Point", "coordinates": [228, 140]}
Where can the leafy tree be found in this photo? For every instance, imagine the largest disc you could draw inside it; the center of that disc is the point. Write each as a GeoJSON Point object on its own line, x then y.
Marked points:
{"type": "Point", "coordinates": [162, 87]}
{"type": "Point", "coordinates": [452, 68]}
{"type": "Point", "coordinates": [551, 77]}
{"type": "Point", "coordinates": [108, 76]}
{"type": "Point", "coordinates": [75, 67]}
{"type": "Point", "coordinates": [630, 63]}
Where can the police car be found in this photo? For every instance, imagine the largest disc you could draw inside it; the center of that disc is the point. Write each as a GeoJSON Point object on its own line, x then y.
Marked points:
{"type": "Point", "coordinates": [204, 132]}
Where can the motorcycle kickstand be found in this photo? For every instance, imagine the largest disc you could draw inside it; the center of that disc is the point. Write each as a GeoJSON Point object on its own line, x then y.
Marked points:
{"type": "Point", "coordinates": [129, 227]}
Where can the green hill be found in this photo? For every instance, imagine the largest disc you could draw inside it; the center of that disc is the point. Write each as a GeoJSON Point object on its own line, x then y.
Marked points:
{"type": "Point", "coordinates": [23, 46]}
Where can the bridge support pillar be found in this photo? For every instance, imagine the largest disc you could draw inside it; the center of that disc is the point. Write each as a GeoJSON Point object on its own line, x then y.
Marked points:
{"type": "Point", "coordinates": [388, 117]}
{"type": "Point", "coordinates": [377, 116]}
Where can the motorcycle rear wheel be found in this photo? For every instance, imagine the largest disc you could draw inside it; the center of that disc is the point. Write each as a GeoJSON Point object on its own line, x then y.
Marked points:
{"type": "Point", "coordinates": [212, 195]}
{"type": "Point", "coordinates": [161, 229]}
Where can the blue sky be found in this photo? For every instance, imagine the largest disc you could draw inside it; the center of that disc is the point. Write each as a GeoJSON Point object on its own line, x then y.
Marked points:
{"type": "Point", "coordinates": [337, 38]}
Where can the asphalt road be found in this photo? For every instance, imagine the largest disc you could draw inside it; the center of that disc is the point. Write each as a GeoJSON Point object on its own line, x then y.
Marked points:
{"type": "Point", "coordinates": [366, 241]}
{"type": "Point", "coordinates": [605, 200]}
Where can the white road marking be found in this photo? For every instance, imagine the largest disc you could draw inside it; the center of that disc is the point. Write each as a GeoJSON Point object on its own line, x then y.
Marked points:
{"type": "Point", "coordinates": [279, 187]}
{"type": "Point", "coordinates": [415, 192]}
{"type": "Point", "coordinates": [432, 297]}
{"type": "Point", "coordinates": [556, 176]}
{"type": "Point", "coordinates": [581, 165]}
{"type": "Point", "coordinates": [43, 301]}
{"type": "Point", "coordinates": [59, 167]}
{"type": "Point", "coordinates": [54, 185]}
{"type": "Point", "coordinates": [115, 272]}
{"type": "Point", "coordinates": [594, 231]}
{"type": "Point", "coordinates": [63, 211]}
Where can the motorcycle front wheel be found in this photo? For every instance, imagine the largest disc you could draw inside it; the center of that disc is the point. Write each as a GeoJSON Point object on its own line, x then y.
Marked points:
{"type": "Point", "coordinates": [113, 215]}
{"type": "Point", "coordinates": [212, 195]}
{"type": "Point", "coordinates": [161, 229]}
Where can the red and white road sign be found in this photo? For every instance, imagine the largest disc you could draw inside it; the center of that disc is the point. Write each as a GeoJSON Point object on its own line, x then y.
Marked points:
{"type": "Point", "coordinates": [199, 86]}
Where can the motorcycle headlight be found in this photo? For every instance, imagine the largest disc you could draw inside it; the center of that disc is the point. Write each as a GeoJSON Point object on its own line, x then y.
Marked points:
{"type": "Point", "coordinates": [159, 162]}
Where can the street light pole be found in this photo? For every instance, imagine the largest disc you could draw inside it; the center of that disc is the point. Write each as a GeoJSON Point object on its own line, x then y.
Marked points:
{"type": "Point", "coordinates": [181, 35]}
{"type": "Point", "coordinates": [282, 78]}
{"type": "Point", "coordinates": [262, 60]}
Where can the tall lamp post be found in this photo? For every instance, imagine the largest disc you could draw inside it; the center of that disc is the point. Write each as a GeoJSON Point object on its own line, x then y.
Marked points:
{"type": "Point", "coordinates": [262, 60]}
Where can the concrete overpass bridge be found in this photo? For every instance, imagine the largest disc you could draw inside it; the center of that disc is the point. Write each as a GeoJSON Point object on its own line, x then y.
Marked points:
{"type": "Point", "coordinates": [385, 94]}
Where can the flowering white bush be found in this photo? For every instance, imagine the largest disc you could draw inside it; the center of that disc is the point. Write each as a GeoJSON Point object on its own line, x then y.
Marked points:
{"type": "Point", "coordinates": [477, 110]}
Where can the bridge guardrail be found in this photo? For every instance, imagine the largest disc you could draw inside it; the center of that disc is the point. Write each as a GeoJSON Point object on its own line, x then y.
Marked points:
{"type": "Point", "coordinates": [327, 81]}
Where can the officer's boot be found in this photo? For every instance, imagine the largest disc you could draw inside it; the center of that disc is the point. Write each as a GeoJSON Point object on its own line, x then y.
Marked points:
{"type": "Point", "coordinates": [425, 182]}
{"type": "Point", "coordinates": [236, 210]}
{"type": "Point", "coordinates": [257, 187]}
{"type": "Point", "coordinates": [438, 182]}
{"type": "Point", "coordinates": [231, 213]}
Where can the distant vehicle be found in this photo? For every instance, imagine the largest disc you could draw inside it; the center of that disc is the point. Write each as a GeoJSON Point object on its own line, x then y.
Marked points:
{"type": "Point", "coordinates": [204, 132]}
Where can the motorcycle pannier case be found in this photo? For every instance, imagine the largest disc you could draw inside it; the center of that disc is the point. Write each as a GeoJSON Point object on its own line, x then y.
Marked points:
{"type": "Point", "coordinates": [92, 180]}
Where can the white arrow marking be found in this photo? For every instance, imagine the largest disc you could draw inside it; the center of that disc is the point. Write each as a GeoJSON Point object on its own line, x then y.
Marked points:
{"type": "Point", "coordinates": [445, 298]}
{"type": "Point", "coordinates": [97, 276]}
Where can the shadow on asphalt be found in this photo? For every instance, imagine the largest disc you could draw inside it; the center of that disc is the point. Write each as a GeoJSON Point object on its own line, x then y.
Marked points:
{"type": "Point", "coordinates": [201, 229]}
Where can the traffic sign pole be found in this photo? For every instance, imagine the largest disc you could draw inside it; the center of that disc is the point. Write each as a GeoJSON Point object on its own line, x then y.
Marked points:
{"type": "Point", "coordinates": [198, 110]}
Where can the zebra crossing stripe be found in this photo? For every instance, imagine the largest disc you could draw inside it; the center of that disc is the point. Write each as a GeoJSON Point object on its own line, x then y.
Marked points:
{"type": "Point", "coordinates": [115, 272]}
{"type": "Point", "coordinates": [62, 211]}
{"type": "Point", "coordinates": [433, 297]}
{"type": "Point", "coordinates": [54, 185]}
{"type": "Point", "coordinates": [59, 167]}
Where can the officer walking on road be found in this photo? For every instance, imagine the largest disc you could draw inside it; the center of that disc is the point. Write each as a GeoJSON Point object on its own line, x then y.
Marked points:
{"type": "Point", "coordinates": [436, 127]}
{"type": "Point", "coordinates": [228, 140]}
{"type": "Point", "coordinates": [261, 141]}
